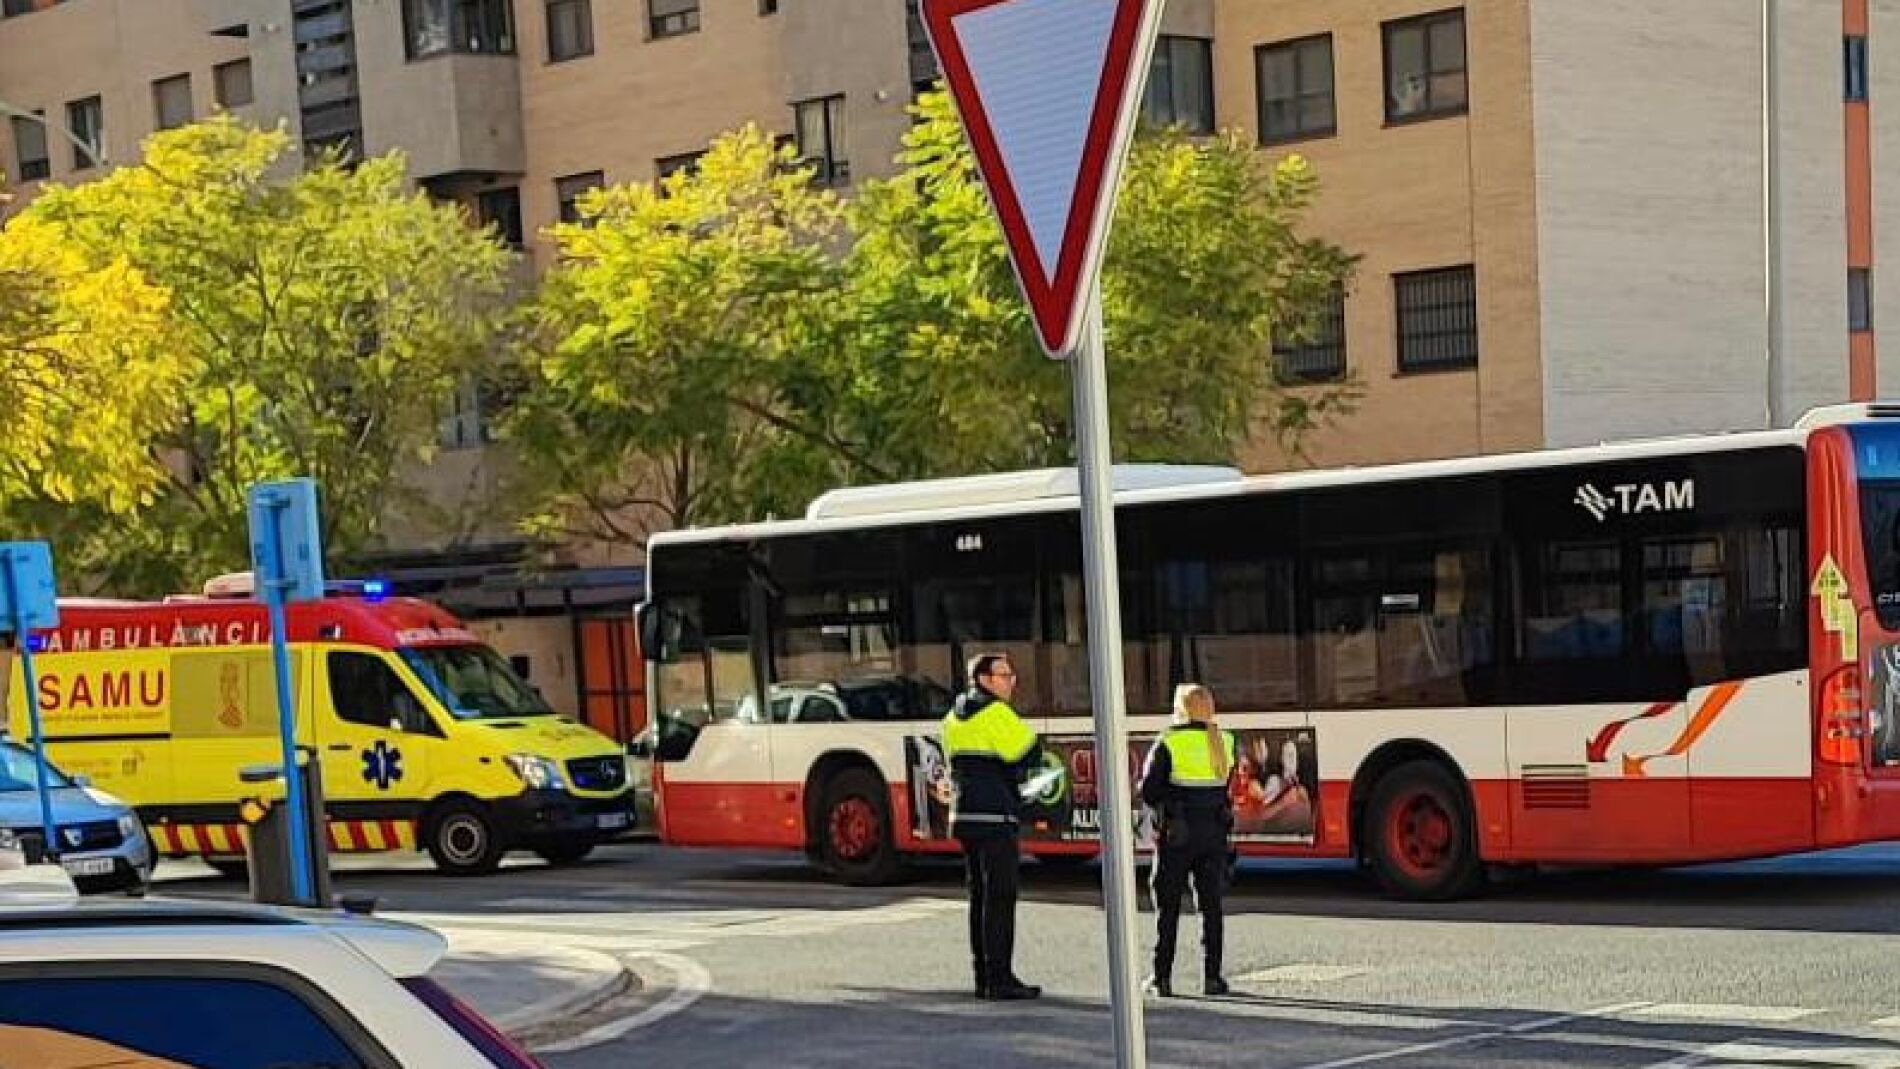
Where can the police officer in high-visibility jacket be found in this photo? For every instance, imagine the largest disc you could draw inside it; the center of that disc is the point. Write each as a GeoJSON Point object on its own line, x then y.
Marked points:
{"type": "Point", "coordinates": [990, 751]}
{"type": "Point", "coordinates": [1185, 783]}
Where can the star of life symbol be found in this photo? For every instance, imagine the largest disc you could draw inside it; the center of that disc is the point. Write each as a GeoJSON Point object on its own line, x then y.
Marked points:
{"type": "Point", "coordinates": [382, 765]}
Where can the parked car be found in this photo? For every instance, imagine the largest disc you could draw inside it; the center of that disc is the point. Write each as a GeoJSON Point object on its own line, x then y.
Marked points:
{"type": "Point", "coordinates": [101, 842]}
{"type": "Point", "coordinates": [142, 984]}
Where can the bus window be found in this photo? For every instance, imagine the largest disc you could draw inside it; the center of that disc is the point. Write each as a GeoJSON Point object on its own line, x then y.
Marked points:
{"type": "Point", "coordinates": [1405, 626]}
{"type": "Point", "coordinates": [704, 669]}
{"type": "Point", "coordinates": [1229, 624]}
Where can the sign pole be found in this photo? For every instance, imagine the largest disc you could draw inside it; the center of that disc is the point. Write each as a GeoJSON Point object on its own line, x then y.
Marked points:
{"type": "Point", "coordinates": [1095, 478]}
{"type": "Point", "coordinates": [273, 584]}
{"type": "Point", "coordinates": [29, 677]}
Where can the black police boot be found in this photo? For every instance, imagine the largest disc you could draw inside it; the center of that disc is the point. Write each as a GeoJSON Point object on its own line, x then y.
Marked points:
{"type": "Point", "coordinates": [982, 981]}
{"type": "Point", "coordinates": [1011, 989]}
{"type": "Point", "coordinates": [1158, 986]}
{"type": "Point", "coordinates": [1216, 986]}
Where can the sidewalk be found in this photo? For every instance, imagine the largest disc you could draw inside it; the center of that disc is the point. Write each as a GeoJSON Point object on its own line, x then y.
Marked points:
{"type": "Point", "coordinates": [521, 982]}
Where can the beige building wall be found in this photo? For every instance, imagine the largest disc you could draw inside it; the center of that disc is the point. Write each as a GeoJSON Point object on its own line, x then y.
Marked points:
{"type": "Point", "coordinates": [1404, 197]}
{"type": "Point", "coordinates": [548, 644]}
{"type": "Point", "coordinates": [113, 49]}
{"type": "Point", "coordinates": [1649, 171]}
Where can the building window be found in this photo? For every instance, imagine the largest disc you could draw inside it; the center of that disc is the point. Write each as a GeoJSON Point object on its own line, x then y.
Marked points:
{"type": "Point", "coordinates": [1181, 84]}
{"type": "Point", "coordinates": [672, 18]}
{"type": "Point", "coordinates": [1854, 55]}
{"type": "Point", "coordinates": [685, 163]}
{"type": "Point", "coordinates": [821, 141]}
{"type": "Point", "coordinates": [768, 7]}
{"type": "Point", "coordinates": [1295, 81]}
{"type": "Point", "coordinates": [10, 8]}
{"type": "Point", "coordinates": [29, 144]}
{"type": "Point", "coordinates": [501, 209]}
{"type": "Point", "coordinates": [86, 120]}
{"type": "Point", "coordinates": [1314, 350]}
{"type": "Point", "coordinates": [923, 60]}
{"type": "Point", "coordinates": [232, 83]}
{"type": "Point", "coordinates": [568, 191]}
{"type": "Point", "coordinates": [1860, 299]}
{"type": "Point", "coordinates": [171, 101]}
{"type": "Point", "coordinates": [570, 29]}
{"type": "Point", "coordinates": [473, 27]}
{"type": "Point", "coordinates": [1425, 67]}
{"type": "Point", "coordinates": [1438, 319]}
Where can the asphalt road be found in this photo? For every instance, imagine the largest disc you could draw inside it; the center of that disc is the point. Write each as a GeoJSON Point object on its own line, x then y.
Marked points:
{"type": "Point", "coordinates": [750, 959]}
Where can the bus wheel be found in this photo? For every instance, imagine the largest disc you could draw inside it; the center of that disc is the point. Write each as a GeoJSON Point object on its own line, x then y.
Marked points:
{"type": "Point", "coordinates": [462, 841]}
{"type": "Point", "coordinates": [854, 836]}
{"type": "Point", "coordinates": [1420, 836]}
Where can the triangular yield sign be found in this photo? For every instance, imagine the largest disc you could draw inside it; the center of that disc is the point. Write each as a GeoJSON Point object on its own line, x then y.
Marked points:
{"type": "Point", "coordinates": [1047, 90]}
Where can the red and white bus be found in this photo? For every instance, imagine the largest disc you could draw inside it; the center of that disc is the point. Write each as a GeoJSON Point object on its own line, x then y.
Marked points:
{"type": "Point", "coordinates": [1647, 653]}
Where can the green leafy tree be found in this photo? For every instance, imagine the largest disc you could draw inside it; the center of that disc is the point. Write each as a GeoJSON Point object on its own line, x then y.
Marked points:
{"type": "Point", "coordinates": [86, 366]}
{"type": "Point", "coordinates": [729, 344]}
{"type": "Point", "coordinates": [1204, 262]}
{"type": "Point", "coordinates": [321, 322]}
{"type": "Point", "coordinates": [648, 394]}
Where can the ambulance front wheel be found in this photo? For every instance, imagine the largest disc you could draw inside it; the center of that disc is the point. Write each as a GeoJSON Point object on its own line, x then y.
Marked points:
{"type": "Point", "coordinates": [461, 839]}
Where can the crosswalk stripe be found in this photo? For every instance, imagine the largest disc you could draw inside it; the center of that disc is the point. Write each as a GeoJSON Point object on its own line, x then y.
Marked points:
{"type": "Point", "coordinates": [1718, 1011]}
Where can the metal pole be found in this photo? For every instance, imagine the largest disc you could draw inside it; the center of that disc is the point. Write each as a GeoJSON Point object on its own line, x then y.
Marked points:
{"type": "Point", "coordinates": [1774, 267]}
{"type": "Point", "coordinates": [1094, 467]}
{"type": "Point", "coordinates": [302, 885]}
{"type": "Point", "coordinates": [30, 678]}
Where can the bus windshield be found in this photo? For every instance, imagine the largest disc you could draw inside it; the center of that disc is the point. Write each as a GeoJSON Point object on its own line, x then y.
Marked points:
{"type": "Point", "coordinates": [475, 683]}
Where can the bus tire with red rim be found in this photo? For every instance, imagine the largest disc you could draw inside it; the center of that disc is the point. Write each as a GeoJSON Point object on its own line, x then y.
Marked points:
{"type": "Point", "coordinates": [462, 838]}
{"type": "Point", "coordinates": [1419, 834]}
{"type": "Point", "coordinates": [854, 834]}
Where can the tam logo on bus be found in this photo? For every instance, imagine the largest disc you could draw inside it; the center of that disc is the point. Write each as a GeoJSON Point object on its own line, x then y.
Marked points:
{"type": "Point", "coordinates": [1636, 499]}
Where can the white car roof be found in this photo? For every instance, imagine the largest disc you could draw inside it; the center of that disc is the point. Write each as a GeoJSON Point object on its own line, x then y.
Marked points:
{"type": "Point", "coordinates": [32, 903]}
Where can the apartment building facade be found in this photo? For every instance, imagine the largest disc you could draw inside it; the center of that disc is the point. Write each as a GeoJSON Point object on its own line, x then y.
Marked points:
{"type": "Point", "coordinates": [1559, 206]}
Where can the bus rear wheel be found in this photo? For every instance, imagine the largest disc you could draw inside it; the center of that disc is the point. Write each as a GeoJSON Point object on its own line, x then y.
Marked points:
{"type": "Point", "coordinates": [855, 840]}
{"type": "Point", "coordinates": [1420, 836]}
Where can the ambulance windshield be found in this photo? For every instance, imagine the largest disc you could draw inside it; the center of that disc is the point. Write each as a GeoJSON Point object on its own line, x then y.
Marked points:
{"type": "Point", "coordinates": [475, 683]}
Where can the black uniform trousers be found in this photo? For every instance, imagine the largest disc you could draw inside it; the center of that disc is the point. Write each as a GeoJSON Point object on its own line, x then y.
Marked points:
{"type": "Point", "coordinates": [991, 862]}
{"type": "Point", "coordinates": [1197, 852]}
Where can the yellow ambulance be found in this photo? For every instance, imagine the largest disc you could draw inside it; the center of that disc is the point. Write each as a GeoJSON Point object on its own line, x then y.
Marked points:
{"type": "Point", "coordinates": [427, 739]}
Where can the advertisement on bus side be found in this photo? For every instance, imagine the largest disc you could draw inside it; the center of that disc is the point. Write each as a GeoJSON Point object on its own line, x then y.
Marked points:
{"type": "Point", "coordinates": [1274, 788]}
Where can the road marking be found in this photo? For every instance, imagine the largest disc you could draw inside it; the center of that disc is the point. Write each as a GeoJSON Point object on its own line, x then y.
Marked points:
{"type": "Point", "coordinates": [1887, 1022]}
{"type": "Point", "coordinates": [1740, 1054]}
{"type": "Point", "coordinates": [691, 982]}
{"type": "Point", "coordinates": [1539, 1025]}
{"type": "Point", "coordinates": [1302, 973]}
{"type": "Point", "coordinates": [1716, 1011]}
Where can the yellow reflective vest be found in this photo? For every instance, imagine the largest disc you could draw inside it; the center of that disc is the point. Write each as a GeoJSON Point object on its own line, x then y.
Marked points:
{"type": "Point", "coordinates": [1189, 762]}
{"type": "Point", "coordinates": [986, 750]}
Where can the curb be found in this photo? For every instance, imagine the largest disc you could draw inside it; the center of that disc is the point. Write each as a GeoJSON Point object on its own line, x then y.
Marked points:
{"type": "Point", "coordinates": [609, 977]}
{"type": "Point", "coordinates": [582, 999]}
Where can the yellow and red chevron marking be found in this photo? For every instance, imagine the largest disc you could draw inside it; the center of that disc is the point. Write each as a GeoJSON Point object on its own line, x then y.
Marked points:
{"type": "Point", "coordinates": [228, 840]}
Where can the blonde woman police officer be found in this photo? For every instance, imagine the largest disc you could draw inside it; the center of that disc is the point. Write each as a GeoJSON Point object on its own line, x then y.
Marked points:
{"type": "Point", "coordinates": [1185, 783]}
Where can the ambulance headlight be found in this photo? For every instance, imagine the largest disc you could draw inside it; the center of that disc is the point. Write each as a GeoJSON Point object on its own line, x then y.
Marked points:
{"type": "Point", "coordinates": [537, 772]}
